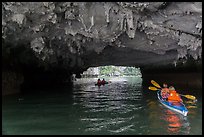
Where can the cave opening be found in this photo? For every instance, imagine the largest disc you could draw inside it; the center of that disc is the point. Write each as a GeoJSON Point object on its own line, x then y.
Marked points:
{"type": "Point", "coordinates": [109, 73]}
{"type": "Point", "coordinates": [112, 71]}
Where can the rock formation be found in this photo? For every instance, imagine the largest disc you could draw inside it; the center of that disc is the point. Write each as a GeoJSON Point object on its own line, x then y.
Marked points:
{"type": "Point", "coordinates": [62, 38]}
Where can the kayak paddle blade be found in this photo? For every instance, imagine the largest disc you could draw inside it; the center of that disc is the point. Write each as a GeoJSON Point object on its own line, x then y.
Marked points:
{"type": "Point", "coordinates": [155, 83]}
{"type": "Point", "coordinates": [153, 88]}
{"type": "Point", "coordinates": [190, 97]}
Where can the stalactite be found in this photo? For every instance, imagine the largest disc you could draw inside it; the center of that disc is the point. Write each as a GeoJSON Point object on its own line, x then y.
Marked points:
{"type": "Point", "coordinates": [92, 23]}
{"type": "Point", "coordinates": [107, 8]}
{"type": "Point", "coordinates": [130, 26]}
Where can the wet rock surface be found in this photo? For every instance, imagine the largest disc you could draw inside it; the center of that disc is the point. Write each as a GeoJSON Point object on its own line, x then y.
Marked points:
{"type": "Point", "coordinates": [11, 82]}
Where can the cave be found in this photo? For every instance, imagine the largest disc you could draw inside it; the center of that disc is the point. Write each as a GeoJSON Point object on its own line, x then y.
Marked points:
{"type": "Point", "coordinates": [45, 43]}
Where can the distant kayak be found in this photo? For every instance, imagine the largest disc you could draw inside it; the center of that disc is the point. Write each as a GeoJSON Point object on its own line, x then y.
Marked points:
{"type": "Point", "coordinates": [175, 106]}
{"type": "Point", "coordinates": [101, 84]}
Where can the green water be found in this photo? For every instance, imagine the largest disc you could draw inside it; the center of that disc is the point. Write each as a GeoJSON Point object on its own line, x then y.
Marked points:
{"type": "Point", "coordinates": [122, 107]}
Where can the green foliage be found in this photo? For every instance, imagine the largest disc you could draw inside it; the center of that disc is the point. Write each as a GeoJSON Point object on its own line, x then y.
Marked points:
{"type": "Point", "coordinates": [114, 70]}
{"type": "Point", "coordinates": [106, 70]}
{"type": "Point", "coordinates": [131, 71]}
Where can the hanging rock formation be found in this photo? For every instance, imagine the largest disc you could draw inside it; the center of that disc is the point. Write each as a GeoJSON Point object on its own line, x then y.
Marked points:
{"type": "Point", "coordinates": [69, 37]}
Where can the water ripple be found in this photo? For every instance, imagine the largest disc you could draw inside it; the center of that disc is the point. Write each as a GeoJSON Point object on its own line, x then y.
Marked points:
{"type": "Point", "coordinates": [122, 107]}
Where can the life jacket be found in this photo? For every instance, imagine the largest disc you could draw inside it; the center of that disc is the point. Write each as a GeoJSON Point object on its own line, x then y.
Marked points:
{"type": "Point", "coordinates": [103, 82]}
{"type": "Point", "coordinates": [99, 82]}
{"type": "Point", "coordinates": [173, 96]}
{"type": "Point", "coordinates": [164, 92]}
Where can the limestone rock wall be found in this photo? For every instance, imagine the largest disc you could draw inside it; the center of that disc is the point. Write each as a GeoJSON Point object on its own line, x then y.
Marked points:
{"type": "Point", "coordinates": [73, 36]}
{"type": "Point", "coordinates": [11, 82]}
{"type": "Point", "coordinates": [68, 31]}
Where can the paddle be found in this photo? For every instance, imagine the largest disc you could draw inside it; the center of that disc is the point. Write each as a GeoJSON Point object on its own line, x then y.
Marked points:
{"type": "Point", "coordinates": [157, 85]}
{"type": "Point", "coordinates": [189, 96]}
{"type": "Point", "coordinates": [153, 88]}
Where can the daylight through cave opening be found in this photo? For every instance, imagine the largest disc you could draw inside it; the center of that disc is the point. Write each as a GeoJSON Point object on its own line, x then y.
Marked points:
{"type": "Point", "coordinates": [112, 71]}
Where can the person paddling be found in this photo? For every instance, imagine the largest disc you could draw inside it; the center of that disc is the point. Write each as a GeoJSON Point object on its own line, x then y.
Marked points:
{"type": "Point", "coordinates": [173, 95]}
{"type": "Point", "coordinates": [165, 91]}
{"type": "Point", "coordinates": [103, 82]}
{"type": "Point", "coordinates": [99, 82]}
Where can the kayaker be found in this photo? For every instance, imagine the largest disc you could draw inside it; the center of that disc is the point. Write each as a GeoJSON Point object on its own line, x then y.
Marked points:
{"type": "Point", "coordinates": [103, 82]}
{"type": "Point", "coordinates": [165, 91]}
{"type": "Point", "coordinates": [99, 82]}
{"type": "Point", "coordinates": [173, 95]}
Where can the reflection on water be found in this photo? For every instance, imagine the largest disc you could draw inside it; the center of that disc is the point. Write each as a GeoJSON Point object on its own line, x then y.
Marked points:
{"type": "Point", "coordinates": [111, 109]}
{"type": "Point", "coordinates": [170, 122]}
{"type": "Point", "coordinates": [167, 120]}
{"type": "Point", "coordinates": [176, 122]}
{"type": "Point", "coordinates": [120, 107]}
{"type": "Point", "coordinates": [190, 104]}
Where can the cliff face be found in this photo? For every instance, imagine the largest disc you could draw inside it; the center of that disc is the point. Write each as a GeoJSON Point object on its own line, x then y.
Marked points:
{"type": "Point", "coordinates": [72, 36]}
